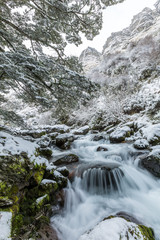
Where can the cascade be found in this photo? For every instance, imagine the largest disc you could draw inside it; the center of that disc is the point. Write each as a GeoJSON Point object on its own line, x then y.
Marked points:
{"type": "Point", "coordinates": [105, 184]}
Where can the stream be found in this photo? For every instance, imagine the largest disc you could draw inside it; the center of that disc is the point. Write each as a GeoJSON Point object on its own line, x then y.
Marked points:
{"type": "Point", "coordinates": [107, 182]}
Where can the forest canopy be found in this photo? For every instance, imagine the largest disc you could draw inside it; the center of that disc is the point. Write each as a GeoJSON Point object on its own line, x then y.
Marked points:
{"type": "Point", "coordinates": [27, 28]}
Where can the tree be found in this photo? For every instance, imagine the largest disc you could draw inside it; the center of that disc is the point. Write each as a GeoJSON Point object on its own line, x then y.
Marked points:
{"type": "Point", "coordinates": [27, 28]}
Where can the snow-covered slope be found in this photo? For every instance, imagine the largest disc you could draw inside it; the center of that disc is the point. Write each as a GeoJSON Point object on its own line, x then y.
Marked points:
{"type": "Point", "coordinates": [128, 71]}
{"type": "Point", "coordinates": [129, 55]}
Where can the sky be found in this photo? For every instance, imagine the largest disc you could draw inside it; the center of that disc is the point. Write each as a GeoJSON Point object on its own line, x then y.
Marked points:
{"type": "Point", "coordinates": [115, 18]}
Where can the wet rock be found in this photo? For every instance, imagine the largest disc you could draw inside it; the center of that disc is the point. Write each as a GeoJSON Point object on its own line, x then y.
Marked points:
{"type": "Point", "coordinates": [66, 159]}
{"type": "Point", "coordinates": [151, 162]}
{"type": "Point", "coordinates": [98, 138]}
{"type": "Point", "coordinates": [64, 141]}
{"type": "Point", "coordinates": [141, 144]}
{"type": "Point", "coordinates": [102, 149]}
{"type": "Point", "coordinates": [81, 131]}
{"type": "Point", "coordinates": [120, 134]}
{"type": "Point", "coordinates": [128, 217]}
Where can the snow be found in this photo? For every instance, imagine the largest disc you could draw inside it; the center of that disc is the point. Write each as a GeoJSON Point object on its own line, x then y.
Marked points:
{"type": "Point", "coordinates": [141, 143]}
{"type": "Point", "coordinates": [113, 229]}
{"type": "Point", "coordinates": [41, 198]}
{"type": "Point", "coordinates": [10, 144]}
{"type": "Point", "coordinates": [150, 131]}
{"type": "Point", "coordinates": [47, 181]}
{"type": "Point", "coordinates": [5, 225]}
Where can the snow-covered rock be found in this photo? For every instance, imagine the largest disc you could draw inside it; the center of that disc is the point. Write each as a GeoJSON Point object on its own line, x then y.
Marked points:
{"type": "Point", "coordinates": [81, 131]}
{"type": "Point", "coordinates": [152, 161]}
{"type": "Point", "coordinates": [141, 144]}
{"type": "Point", "coordinates": [115, 229]}
{"type": "Point", "coordinates": [120, 134]}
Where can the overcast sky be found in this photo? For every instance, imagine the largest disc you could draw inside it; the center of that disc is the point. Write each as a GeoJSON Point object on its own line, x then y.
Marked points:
{"type": "Point", "coordinates": [115, 18]}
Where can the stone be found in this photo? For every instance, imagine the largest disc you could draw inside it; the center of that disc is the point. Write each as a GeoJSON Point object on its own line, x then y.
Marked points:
{"type": "Point", "coordinates": [98, 138]}
{"type": "Point", "coordinates": [141, 144]}
{"type": "Point", "coordinates": [64, 141]}
{"type": "Point", "coordinates": [102, 149]}
{"type": "Point", "coordinates": [151, 162]}
{"type": "Point", "coordinates": [5, 202]}
{"type": "Point", "coordinates": [118, 228]}
{"type": "Point", "coordinates": [120, 134]}
{"type": "Point", "coordinates": [82, 131]}
{"type": "Point", "coordinates": [66, 159]}
{"type": "Point", "coordinates": [46, 152]}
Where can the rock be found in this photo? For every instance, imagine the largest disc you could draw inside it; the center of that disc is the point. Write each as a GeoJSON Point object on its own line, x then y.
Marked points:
{"type": "Point", "coordinates": [120, 134]}
{"type": "Point", "coordinates": [46, 152]}
{"type": "Point", "coordinates": [66, 159]}
{"type": "Point", "coordinates": [53, 135]}
{"type": "Point", "coordinates": [100, 149]}
{"type": "Point", "coordinates": [152, 133]}
{"type": "Point", "coordinates": [64, 141]}
{"type": "Point", "coordinates": [81, 131]}
{"type": "Point", "coordinates": [97, 138]}
{"type": "Point", "coordinates": [151, 162]}
{"type": "Point", "coordinates": [44, 142]}
{"type": "Point", "coordinates": [5, 202]}
{"type": "Point", "coordinates": [128, 217]}
{"type": "Point", "coordinates": [118, 228]}
{"type": "Point", "coordinates": [47, 232]}
{"type": "Point", "coordinates": [141, 144]}
{"type": "Point", "coordinates": [64, 171]}
{"type": "Point", "coordinates": [59, 128]}
{"type": "Point", "coordinates": [33, 133]}
{"type": "Point", "coordinates": [49, 186]}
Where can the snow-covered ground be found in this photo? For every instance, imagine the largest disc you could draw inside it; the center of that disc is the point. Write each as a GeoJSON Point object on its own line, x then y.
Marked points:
{"type": "Point", "coordinates": [5, 225]}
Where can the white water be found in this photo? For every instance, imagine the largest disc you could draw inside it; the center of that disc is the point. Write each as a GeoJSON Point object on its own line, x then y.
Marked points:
{"type": "Point", "coordinates": [127, 188]}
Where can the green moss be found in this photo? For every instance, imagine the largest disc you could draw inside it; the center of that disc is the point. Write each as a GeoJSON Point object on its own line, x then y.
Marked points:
{"type": "Point", "coordinates": [38, 176]}
{"type": "Point", "coordinates": [17, 223]}
{"type": "Point", "coordinates": [42, 201]}
{"type": "Point", "coordinates": [147, 233]}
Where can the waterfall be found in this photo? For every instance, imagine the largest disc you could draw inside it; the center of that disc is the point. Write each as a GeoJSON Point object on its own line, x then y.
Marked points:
{"type": "Point", "coordinates": [106, 183]}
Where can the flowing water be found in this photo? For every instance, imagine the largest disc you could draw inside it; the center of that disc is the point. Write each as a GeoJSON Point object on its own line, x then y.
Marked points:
{"type": "Point", "coordinates": [107, 182]}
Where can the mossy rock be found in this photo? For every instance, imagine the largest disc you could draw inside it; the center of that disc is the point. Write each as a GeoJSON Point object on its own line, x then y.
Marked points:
{"type": "Point", "coordinates": [146, 232]}
{"type": "Point", "coordinates": [46, 152]}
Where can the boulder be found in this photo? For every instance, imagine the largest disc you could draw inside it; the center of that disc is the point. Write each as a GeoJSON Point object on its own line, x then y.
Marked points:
{"type": "Point", "coordinates": [141, 144]}
{"type": "Point", "coordinates": [33, 133]}
{"type": "Point", "coordinates": [102, 149]}
{"type": "Point", "coordinates": [118, 228]}
{"type": "Point", "coordinates": [152, 133]}
{"type": "Point", "coordinates": [98, 138]}
{"type": "Point", "coordinates": [151, 162]}
{"type": "Point", "coordinates": [120, 134]}
{"type": "Point", "coordinates": [81, 131]}
{"type": "Point", "coordinates": [46, 151]}
{"type": "Point", "coordinates": [66, 159]}
{"type": "Point", "coordinates": [64, 141]}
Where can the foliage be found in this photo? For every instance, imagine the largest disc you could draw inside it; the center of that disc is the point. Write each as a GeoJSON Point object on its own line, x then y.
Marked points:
{"type": "Point", "coordinates": [29, 29]}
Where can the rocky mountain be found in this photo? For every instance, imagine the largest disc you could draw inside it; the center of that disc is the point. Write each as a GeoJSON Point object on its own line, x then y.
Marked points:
{"type": "Point", "coordinates": [131, 54]}
{"type": "Point", "coordinates": [128, 70]}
